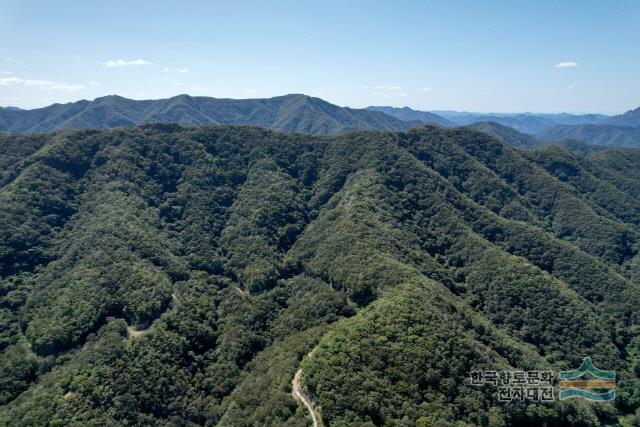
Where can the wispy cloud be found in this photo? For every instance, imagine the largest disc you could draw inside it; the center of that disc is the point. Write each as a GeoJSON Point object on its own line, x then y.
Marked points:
{"type": "Point", "coordinates": [424, 89]}
{"type": "Point", "coordinates": [124, 63]}
{"type": "Point", "coordinates": [401, 94]}
{"type": "Point", "coordinates": [94, 83]}
{"type": "Point", "coordinates": [43, 84]}
{"type": "Point", "coordinates": [63, 86]}
{"type": "Point", "coordinates": [252, 90]}
{"type": "Point", "coordinates": [388, 87]}
{"type": "Point", "coordinates": [567, 64]}
{"type": "Point", "coordinates": [183, 70]}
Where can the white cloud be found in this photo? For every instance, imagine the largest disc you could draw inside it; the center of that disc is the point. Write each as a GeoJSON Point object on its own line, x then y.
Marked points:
{"type": "Point", "coordinates": [124, 63]}
{"type": "Point", "coordinates": [8, 81]}
{"type": "Point", "coordinates": [425, 89]}
{"type": "Point", "coordinates": [567, 64]}
{"type": "Point", "coordinates": [401, 94]}
{"type": "Point", "coordinates": [64, 86]}
{"type": "Point", "coordinates": [183, 70]}
{"type": "Point", "coordinates": [94, 83]}
{"type": "Point", "coordinates": [388, 87]}
{"type": "Point", "coordinates": [44, 84]}
{"type": "Point", "coordinates": [252, 90]}
{"type": "Point", "coordinates": [166, 69]}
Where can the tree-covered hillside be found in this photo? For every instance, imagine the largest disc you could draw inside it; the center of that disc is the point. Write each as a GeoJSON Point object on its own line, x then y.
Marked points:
{"type": "Point", "coordinates": [408, 114]}
{"type": "Point", "coordinates": [162, 275]}
{"type": "Point", "coordinates": [294, 113]}
{"type": "Point", "coordinates": [507, 135]}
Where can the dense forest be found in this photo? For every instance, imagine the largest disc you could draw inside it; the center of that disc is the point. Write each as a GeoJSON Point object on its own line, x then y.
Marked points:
{"type": "Point", "coordinates": [162, 275]}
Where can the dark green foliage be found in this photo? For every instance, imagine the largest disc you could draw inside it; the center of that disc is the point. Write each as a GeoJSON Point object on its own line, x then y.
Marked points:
{"type": "Point", "coordinates": [264, 395]}
{"type": "Point", "coordinates": [264, 221]}
{"type": "Point", "coordinates": [409, 355]}
{"type": "Point", "coordinates": [161, 275]}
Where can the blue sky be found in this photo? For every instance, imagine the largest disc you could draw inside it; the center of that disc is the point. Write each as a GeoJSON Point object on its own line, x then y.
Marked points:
{"type": "Point", "coordinates": [499, 56]}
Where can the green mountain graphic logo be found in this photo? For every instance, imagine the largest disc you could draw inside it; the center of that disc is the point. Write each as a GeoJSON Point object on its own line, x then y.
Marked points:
{"type": "Point", "coordinates": [588, 382]}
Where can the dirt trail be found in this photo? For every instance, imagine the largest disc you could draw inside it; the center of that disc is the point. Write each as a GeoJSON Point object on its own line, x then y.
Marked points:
{"type": "Point", "coordinates": [135, 333]}
{"type": "Point", "coordinates": [299, 395]}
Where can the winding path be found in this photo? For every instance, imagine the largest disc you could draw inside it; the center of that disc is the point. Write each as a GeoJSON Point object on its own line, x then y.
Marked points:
{"type": "Point", "coordinates": [300, 396]}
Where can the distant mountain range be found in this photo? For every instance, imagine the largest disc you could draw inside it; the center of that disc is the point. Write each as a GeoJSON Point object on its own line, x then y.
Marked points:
{"type": "Point", "coordinates": [530, 123]}
{"type": "Point", "coordinates": [517, 139]}
{"type": "Point", "coordinates": [293, 113]}
{"type": "Point", "coordinates": [530, 130]}
{"type": "Point", "coordinates": [618, 131]}
{"type": "Point", "coordinates": [306, 114]}
{"type": "Point", "coordinates": [409, 114]}
{"type": "Point", "coordinates": [598, 134]}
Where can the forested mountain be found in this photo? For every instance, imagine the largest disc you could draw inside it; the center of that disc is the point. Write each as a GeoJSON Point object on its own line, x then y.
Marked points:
{"type": "Point", "coordinates": [630, 118]}
{"type": "Point", "coordinates": [163, 275]}
{"type": "Point", "coordinates": [507, 135]}
{"type": "Point", "coordinates": [602, 134]}
{"type": "Point", "coordinates": [408, 114]}
{"type": "Point", "coordinates": [295, 113]}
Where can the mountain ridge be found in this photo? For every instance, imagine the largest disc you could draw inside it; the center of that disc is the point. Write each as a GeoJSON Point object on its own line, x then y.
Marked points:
{"type": "Point", "coordinates": [630, 118]}
{"type": "Point", "coordinates": [295, 112]}
{"type": "Point", "coordinates": [507, 135]}
{"type": "Point", "coordinates": [408, 114]}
